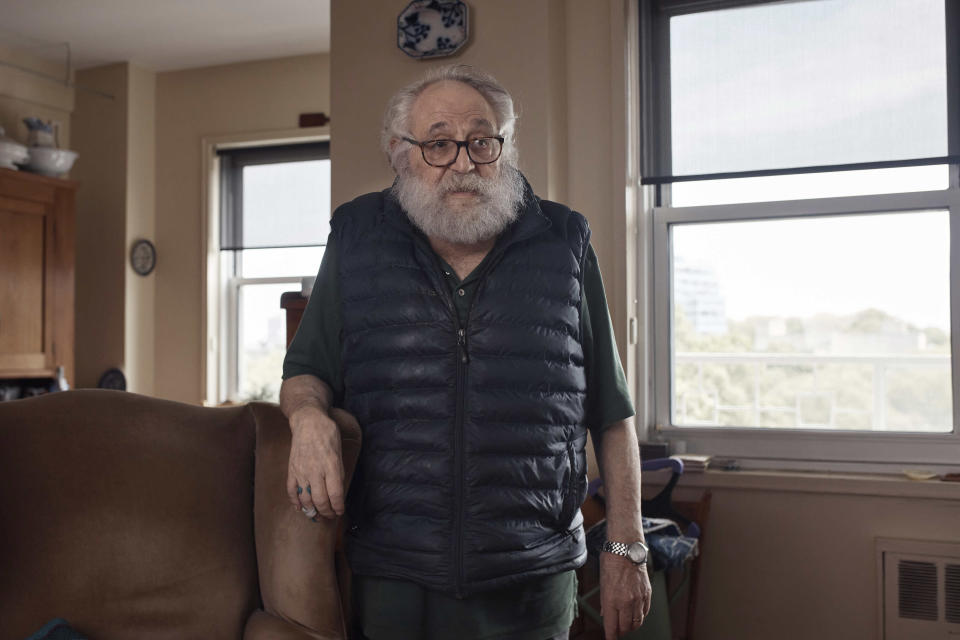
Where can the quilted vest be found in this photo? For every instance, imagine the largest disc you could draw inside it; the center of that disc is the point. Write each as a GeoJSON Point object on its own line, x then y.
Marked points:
{"type": "Point", "coordinates": [473, 467]}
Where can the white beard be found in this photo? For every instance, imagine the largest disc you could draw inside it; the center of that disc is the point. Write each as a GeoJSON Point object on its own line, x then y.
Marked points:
{"type": "Point", "coordinates": [498, 204]}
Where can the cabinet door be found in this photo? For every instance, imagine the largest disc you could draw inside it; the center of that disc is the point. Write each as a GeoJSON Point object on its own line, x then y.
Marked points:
{"type": "Point", "coordinates": [22, 263]}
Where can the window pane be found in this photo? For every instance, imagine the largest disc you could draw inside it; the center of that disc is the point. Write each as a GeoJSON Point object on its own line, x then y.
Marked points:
{"type": "Point", "coordinates": [833, 184]}
{"type": "Point", "coordinates": [792, 84]}
{"type": "Point", "coordinates": [261, 335]}
{"type": "Point", "coordinates": [838, 322]}
{"type": "Point", "coordinates": [274, 263]}
{"type": "Point", "coordinates": [286, 203]}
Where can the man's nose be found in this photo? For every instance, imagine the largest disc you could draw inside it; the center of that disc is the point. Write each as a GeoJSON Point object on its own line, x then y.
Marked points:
{"type": "Point", "coordinates": [463, 163]}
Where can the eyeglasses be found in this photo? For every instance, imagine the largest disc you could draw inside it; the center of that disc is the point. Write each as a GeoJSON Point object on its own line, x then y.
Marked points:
{"type": "Point", "coordinates": [443, 153]}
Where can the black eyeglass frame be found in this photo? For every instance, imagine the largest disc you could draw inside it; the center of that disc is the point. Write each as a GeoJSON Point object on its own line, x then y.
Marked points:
{"type": "Point", "coordinates": [460, 145]}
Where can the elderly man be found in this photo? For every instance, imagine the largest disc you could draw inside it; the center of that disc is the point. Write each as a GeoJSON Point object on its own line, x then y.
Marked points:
{"type": "Point", "coordinates": [462, 320]}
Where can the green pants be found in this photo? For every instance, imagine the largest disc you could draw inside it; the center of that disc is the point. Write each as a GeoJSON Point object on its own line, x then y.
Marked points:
{"type": "Point", "coordinates": [539, 609]}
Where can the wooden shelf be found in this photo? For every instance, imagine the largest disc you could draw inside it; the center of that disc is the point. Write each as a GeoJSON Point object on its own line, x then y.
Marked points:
{"type": "Point", "coordinates": [36, 178]}
{"type": "Point", "coordinates": [27, 374]}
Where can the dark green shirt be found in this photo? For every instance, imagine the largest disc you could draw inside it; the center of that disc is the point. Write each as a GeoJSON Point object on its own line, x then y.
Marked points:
{"type": "Point", "coordinates": [539, 608]}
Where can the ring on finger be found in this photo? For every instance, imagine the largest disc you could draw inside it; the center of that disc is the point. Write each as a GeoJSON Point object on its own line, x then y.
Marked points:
{"type": "Point", "coordinates": [311, 512]}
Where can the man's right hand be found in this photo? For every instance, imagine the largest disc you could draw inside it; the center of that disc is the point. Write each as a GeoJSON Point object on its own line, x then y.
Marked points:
{"type": "Point", "coordinates": [316, 463]}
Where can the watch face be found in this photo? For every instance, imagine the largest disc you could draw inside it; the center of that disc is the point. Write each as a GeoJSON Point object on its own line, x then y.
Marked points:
{"type": "Point", "coordinates": [637, 553]}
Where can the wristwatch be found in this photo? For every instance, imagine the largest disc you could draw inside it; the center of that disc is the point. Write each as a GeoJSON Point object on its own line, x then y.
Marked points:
{"type": "Point", "coordinates": [636, 552]}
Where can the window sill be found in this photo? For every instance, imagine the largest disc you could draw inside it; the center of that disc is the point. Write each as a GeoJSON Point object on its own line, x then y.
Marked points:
{"type": "Point", "coordinates": [813, 482]}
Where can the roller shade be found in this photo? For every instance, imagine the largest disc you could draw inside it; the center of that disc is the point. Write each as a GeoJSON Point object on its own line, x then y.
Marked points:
{"type": "Point", "coordinates": [275, 197]}
{"type": "Point", "coordinates": [803, 86]}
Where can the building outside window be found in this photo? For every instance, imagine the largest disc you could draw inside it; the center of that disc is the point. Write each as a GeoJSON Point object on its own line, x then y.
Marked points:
{"type": "Point", "coordinates": [802, 159]}
{"type": "Point", "coordinates": [274, 222]}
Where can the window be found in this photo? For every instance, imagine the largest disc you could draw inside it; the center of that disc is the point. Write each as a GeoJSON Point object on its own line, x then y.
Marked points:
{"type": "Point", "coordinates": [274, 222]}
{"type": "Point", "coordinates": [802, 159]}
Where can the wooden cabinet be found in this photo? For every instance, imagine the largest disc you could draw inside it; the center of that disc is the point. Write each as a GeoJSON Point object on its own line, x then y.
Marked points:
{"type": "Point", "coordinates": [36, 275]}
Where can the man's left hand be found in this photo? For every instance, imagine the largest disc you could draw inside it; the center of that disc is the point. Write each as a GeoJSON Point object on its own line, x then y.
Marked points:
{"type": "Point", "coordinates": [624, 595]}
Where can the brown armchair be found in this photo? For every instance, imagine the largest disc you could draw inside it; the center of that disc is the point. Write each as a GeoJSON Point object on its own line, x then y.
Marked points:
{"type": "Point", "coordinates": [133, 517]}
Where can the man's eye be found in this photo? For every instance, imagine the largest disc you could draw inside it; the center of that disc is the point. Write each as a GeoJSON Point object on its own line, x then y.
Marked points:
{"type": "Point", "coordinates": [437, 145]}
{"type": "Point", "coordinates": [480, 143]}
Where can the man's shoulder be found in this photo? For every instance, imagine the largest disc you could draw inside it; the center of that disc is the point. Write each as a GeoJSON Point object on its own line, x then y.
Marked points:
{"type": "Point", "coordinates": [360, 214]}
{"type": "Point", "coordinates": [369, 204]}
{"type": "Point", "coordinates": [569, 224]}
{"type": "Point", "coordinates": [557, 211]}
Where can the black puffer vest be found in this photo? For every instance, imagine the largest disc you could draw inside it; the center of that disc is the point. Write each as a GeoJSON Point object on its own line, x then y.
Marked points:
{"type": "Point", "coordinates": [473, 467]}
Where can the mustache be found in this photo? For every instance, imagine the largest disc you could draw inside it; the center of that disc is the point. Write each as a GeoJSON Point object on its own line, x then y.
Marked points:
{"type": "Point", "coordinates": [466, 182]}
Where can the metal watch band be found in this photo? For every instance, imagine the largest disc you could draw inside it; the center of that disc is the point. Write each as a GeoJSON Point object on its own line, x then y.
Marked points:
{"type": "Point", "coordinates": [618, 548]}
{"type": "Point", "coordinates": [623, 549]}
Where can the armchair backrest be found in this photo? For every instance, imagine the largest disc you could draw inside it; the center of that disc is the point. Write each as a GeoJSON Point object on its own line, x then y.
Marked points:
{"type": "Point", "coordinates": [136, 517]}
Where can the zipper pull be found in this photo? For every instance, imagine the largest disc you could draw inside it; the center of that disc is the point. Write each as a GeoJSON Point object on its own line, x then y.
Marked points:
{"type": "Point", "coordinates": [462, 345]}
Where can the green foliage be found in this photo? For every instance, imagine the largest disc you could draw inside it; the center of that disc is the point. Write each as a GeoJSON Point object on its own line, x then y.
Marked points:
{"type": "Point", "coordinates": [838, 395]}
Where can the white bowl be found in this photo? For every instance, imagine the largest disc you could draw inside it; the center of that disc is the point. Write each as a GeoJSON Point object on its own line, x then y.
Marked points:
{"type": "Point", "coordinates": [12, 154]}
{"type": "Point", "coordinates": [51, 162]}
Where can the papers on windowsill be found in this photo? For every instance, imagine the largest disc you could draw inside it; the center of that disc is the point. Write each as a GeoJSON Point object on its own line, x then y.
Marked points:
{"type": "Point", "coordinates": [693, 463]}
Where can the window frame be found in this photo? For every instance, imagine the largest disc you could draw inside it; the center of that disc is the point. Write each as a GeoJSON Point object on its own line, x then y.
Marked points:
{"type": "Point", "coordinates": [231, 324]}
{"type": "Point", "coordinates": [234, 160]}
{"type": "Point", "coordinates": [759, 447]}
{"type": "Point", "coordinates": [214, 295]}
{"type": "Point", "coordinates": [801, 445]}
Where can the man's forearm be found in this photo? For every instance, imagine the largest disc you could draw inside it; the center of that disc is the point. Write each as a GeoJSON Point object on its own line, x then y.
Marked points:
{"type": "Point", "coordinates": [303, 394]}
{"type": "Point", "coordinates": [619, 459]}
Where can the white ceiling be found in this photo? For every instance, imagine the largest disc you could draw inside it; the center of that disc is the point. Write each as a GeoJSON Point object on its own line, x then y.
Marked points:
{"type": "Point", "coordinates": [166, 34]}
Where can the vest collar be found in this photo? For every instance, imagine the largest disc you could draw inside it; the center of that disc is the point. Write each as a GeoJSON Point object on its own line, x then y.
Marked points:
{"type": "Point", "coordinates": [529, 223]}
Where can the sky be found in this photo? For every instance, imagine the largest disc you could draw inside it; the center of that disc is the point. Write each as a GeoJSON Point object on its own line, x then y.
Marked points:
{"type": "Point", "coordinates": [898, 263]}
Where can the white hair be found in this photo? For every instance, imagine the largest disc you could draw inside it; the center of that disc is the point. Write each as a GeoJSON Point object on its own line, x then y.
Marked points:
{"type": "Point", "coordinates": [396, 118]}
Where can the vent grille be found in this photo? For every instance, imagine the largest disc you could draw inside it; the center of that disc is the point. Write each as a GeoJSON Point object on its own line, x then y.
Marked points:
{"type": "Point", "coordinates": [918, 590]}
{"type": "Point", "coordinates": [951, 592]}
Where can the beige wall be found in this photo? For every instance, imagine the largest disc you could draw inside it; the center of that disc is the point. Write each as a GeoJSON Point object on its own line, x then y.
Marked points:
{"type": "Point", "coordinates": [24, 94]}
{"type": "Point", "coordinates": [115, 137]}
{"type": "Point", "coordinates": [140, 291]}
{"type": "Point", "coordinates": [799, 561]}
{"type": "Point", "coordinates": [367, 67]}
{"type": "Point", "coordinates": [100, 126]}
{"type": "Point", "coordinates": [190, 105]}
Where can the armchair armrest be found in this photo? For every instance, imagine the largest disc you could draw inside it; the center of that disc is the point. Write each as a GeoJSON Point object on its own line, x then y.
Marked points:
{"type": "Point", "coordinates": [266, 626]}
{"type": "Point", "coordinates": [295, 556]}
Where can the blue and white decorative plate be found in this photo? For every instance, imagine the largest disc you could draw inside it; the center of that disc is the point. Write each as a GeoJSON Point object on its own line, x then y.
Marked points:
{"type": "Point", "coordinates": [432, 28]}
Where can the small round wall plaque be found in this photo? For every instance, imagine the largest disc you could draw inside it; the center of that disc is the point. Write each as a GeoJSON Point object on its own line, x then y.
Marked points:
{"type": "Point", "coordinates": [432, 28]}
{"type": "Point", "coordinates": [143, 257]}
{"type": "Point", "coordinates": [113, 379]}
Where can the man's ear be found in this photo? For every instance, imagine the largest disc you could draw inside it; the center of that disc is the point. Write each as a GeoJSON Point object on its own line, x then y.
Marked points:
{"type": "Point", "coordinates": [391, 154]}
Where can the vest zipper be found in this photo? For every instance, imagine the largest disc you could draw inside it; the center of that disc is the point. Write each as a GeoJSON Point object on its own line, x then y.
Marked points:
{"type": "Point", "coordinates": [441, 287]}
{"type": "Point", "coordinates": [462, 360]}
